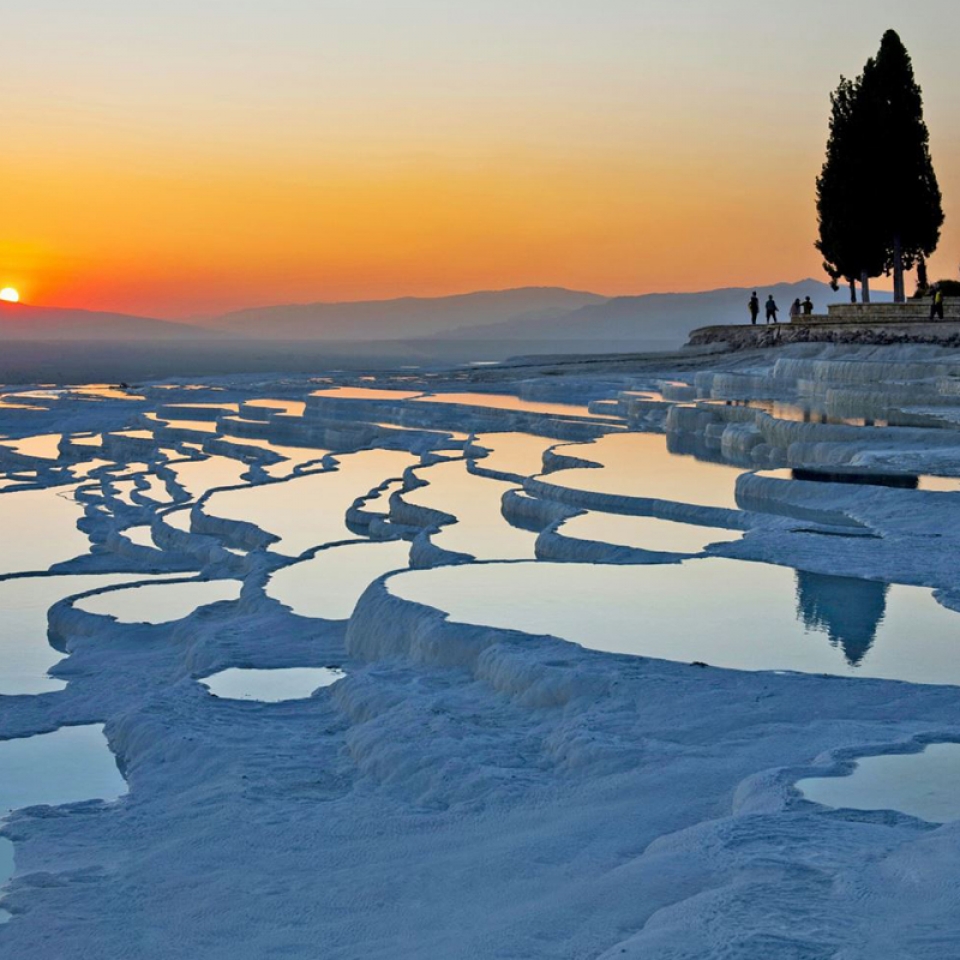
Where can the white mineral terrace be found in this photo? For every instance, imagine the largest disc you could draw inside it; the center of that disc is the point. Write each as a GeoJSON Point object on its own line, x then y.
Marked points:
{"type": "Point", "coordinates": [643, 662]}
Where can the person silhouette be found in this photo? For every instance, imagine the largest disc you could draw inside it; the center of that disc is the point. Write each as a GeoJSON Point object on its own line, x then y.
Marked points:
{"type": "Point", "coordinates": [772, 309]}
{"type": "Point", "coordinates": [807, 306]}
{"type": "Point", "coordinates": [795, 309]}
{"type": "Point", "coordinates": [753, 304]}
{"type": "Point", "coordinates": [936, 307]}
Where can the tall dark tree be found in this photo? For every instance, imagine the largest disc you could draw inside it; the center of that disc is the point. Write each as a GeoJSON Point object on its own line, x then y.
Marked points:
{"type": "Point", "coordinates": [877, 197]}
{"type": "Point", "coordinates": [852, 247]}
{"type": "Point", "coordinates": [910, 213]}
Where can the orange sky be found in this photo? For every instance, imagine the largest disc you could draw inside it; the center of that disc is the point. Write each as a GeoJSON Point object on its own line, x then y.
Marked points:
{"type": "Point", "coordinates": [202, 157]}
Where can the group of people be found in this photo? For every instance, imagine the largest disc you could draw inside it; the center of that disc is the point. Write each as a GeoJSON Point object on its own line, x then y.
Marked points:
{"type": "Point", "coordinates": [797, 308]}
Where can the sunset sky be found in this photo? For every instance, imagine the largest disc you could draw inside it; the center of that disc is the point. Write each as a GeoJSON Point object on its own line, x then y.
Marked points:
{"type": "Point", "coordinates": [193, 156]}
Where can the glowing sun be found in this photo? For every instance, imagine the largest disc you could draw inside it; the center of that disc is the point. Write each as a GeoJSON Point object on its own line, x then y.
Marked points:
{"type": "Point", "coordinates": [10, 295]}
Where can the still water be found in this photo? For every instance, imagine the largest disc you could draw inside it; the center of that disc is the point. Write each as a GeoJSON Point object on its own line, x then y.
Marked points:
{"type": "Point", "coordinates": [271, 686]}
{"type": "Point", "coordinates": [159, 602]}
{"type": "Point", "coordinates": [329, 585]}
{"type": "Point", "coordinates": [25, 654]}
{"type": "Point", "coordinates": [309, 511]}
{"type": "Point", "coordinates": [639, 465]}
{"type": "Point", "coordinates": [924, 785]}
{"type": "Point", "coordinates": [645, 533]}
{"type": "Point", "coordinates": [480, 530]}
{"type": "Point", "coordinates": [67, 766]}
{"type": "Point", "coordinates": [727, 613]}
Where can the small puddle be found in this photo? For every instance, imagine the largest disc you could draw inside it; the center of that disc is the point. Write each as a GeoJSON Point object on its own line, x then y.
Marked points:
{"type": "Point", "coordinates": [726, 613]}
{"type": "Point", "coordinates": [640, 465]}
{"type": "Point", "coordinates": [924, 785]}
{"type": "Point", "coordinates": [329, 585]}
{"type": "Point", "coordinates": [645, 533]}
{"type": "Point", "coordinates": [271, 686]}
{"type": "Point", "coordinates": [159, 602]}
{"type": "Point", "coordinates": [141, 536]}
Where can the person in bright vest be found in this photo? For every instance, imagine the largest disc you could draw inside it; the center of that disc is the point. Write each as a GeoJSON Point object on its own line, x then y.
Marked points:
{"type": "Point", "coordinates": [936, 307]}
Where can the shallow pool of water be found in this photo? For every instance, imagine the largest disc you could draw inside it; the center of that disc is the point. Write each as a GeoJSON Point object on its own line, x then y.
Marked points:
{"type": "Point", "coordinates": [271, 686]}
{"type": "Point", "coordinates": [25, 654]}
{"type": "Point", "coordinates": [645, 533]}
{"type": "Point", "coordinates": [518, 453]}
{"type": "Point", "coordinates": [39, 529]}
{"type": "Point", "coordinates": [924, 785]}
{"type": "Point", "coordinates": [159, 602]}
{"type": "Point", "coordinates": [366, 393]}
{"type": "Point", "coordinates": [293, 456]}
{"type": "Point", "coordinates": [67, 766]}
{"type": "Point", "coordinates": [505, 401]}
{"type": "Point", "coordinates": [639, 465]}
{"type": "Point", "coordinates": [192, 426]}
{"type": "Point", "coordinates": [727, 613]}
{"type": "Point", "coordinates": [309, 511]}
{"type": "Point", "coordinates": [199, 476]}
{"type": "Point", "coordinates": [329, 585]}
{"type": "Point", "coordinates": [475, 501]}
{"type": "Point", "coordinates": [44, 446]}
{"type": "Point", "coordinates": [289, 408]}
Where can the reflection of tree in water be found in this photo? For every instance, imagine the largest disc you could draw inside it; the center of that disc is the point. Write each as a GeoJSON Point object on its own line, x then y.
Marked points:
{"type": "Point", "coordinates": [848, 610]}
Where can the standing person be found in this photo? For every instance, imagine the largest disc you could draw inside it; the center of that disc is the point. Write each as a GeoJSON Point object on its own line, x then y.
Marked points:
{"type": "Point", "coordinates": [807, 306]}
{"type": "Point", "coordinates": [795, 309]}
{"type": "Point", "coordinates": [753, 305]}
{"type": "Point", "coordinates": [772, 309]}
{"type": "Point", "coordinates": [936, 307]}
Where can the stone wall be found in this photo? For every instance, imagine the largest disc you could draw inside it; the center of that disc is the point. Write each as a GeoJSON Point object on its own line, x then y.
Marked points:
{"type": "Point", "coordinates": [913, 311]}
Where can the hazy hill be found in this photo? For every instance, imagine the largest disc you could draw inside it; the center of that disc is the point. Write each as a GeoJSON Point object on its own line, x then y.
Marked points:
{"type": "Point", "coordinates": [405, 317]}
{"type": "Point", "coordinates": [651, 321]}
{"type": "Point", "coordinates": [20, 321]}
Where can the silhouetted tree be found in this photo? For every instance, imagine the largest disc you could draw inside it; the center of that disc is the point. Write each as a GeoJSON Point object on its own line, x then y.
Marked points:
{"type": "Point", "coordinates": [849, 242]}
{"type": "Point", "coordinates": [878, 200]}
{"type": "Point", "coordinates": [910, 213]}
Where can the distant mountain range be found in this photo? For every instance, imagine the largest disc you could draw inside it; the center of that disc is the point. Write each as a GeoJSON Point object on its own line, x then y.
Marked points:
{"type": "Point", "coordinates": [402, 318]}
{"type": "Point", "coordinates": [20, 321]}
{"type": "Point", "coordinates": [498, 323]}
{"type": "Point", "coordinates": [650, 321]}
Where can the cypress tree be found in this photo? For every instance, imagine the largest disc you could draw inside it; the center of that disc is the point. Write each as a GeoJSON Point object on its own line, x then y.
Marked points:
{"type": "Point", "coordinates": [850, 244]}
{"type": "Point", "coordinates": [910, 213]}
{"type": "Point", "coordinates": [878, 200]}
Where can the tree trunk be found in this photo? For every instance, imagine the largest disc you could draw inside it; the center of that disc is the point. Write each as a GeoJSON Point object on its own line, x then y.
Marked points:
{"type": "Point", "coordinates": [897, 270]}
{"type": "Point", "coordinates": [853, 291]}
{"type": "Point", "coordinates": [864, 287]}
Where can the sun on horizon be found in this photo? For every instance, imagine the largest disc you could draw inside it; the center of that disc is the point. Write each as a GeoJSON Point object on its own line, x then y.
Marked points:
{"type": "Point", "coordinates": [9, 295]}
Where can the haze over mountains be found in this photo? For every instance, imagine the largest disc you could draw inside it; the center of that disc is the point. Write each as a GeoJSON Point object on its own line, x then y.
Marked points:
{"type": "Point", "coordinates": [491, 325]}
{"type": "Point", "coordinates": [20, 321]}
{"type": "Point", "coordinates": [405, 317]}
{"type": "Point", "coordinates": [525, 314]}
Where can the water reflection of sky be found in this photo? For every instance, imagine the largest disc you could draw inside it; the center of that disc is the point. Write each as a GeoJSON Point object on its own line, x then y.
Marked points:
{"type": "Point", "coordinates": [727, 613]}
{"type": "Point", "coordinates": [924, 785]}
{"type": "Point", "coordinates": [639, 465]}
